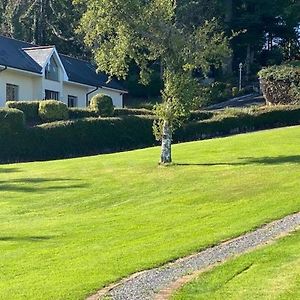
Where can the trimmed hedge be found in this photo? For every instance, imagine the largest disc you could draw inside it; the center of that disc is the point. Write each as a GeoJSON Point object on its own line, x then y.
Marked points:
{"type": "Point", "coordinates": [53, 110]}
{"type": "Point", "coordinates": [233, 121]}
{"type": "Point", "coordinates": [81, 113]}
{"type": "Point", "coordinates": [11, 121]}
{"type": "Point", "coordinates": [78, 137]}
{"type": "Point", "coordinates": [102, 105]}
{"type": "Point", "coordinates": [29, 108]}
{"type": "Point", "coordinates": [103, 135]}
{"type": "Point", "coordinates": [132, 112]}
{"type": "Point", "coordinates": [199, 115]}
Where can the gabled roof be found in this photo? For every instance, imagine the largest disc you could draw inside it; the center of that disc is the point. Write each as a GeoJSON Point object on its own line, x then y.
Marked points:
{"type": "Point", "coordinates": [39, 54]}
{"type": "Point", "coordinates": [29, 57]}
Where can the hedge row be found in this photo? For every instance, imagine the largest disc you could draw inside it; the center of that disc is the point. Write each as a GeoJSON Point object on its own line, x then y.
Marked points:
{"type": "Point", "coordinates": [75, 138]}
{"type": "Point", "coordinates": [32, 115]}
{"type": "Point", "coordinates": [132, 112]}
{"type": "Point", "coordinates": [102, 135]}
{"type": "Point", "coordinates": [233, 121]}
{"type": "Point", "coordinates": [11, 121]}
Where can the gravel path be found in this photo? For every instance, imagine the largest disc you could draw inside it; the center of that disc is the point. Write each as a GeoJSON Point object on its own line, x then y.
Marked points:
{"type": "Point", "coordinates": [146, 285]}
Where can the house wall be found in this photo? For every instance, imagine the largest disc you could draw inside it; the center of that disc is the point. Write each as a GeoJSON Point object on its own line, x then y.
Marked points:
{"type": "Point", "coordinates": [80, 91]}
{"type": "Point", "coordinates": [32, 87]}
{"type": "Point", "coordinates": [29, 85]}
{"type": "Point", "coordinates": [117, 97]}
{"type": "Point", "coordinates": [75, 90]}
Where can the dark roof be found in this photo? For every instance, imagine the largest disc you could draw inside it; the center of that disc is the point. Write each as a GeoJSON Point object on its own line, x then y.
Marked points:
{"type": "Point", "coordinates": [13, 54]}
{"type": "Point", "coordinates": [82, 71]}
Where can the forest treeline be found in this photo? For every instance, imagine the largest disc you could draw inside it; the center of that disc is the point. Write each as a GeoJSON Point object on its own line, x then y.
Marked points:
{"type": "Point", "coordinates": [265, 32]}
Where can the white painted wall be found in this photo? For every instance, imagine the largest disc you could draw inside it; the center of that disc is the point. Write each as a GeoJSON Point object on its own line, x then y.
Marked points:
{"type": "Point", "coordinates": [79, 91]}
{"type": "Point", "coordinates": [28, 85]}
{"type": "Point", "coordinates": [117, 97]}
{"type": "Point", "coordinates": [32, 87]}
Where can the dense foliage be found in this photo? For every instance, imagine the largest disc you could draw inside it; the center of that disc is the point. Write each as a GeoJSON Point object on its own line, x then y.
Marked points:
{"type": "Point", "coordinates": [102, 135]}
{"type": "Point", "coordinates": [74, 138]}
{"type": "Point", "coordinates": [53, 110]}
{"type": "Point", "coordinates": [281, 84]}
{"type": "Point", "coordinates": [29, 108]}
{"type": "Point", "coordinates": [11, 121]}
{"type": "Point", "coordinates": [102, 105]}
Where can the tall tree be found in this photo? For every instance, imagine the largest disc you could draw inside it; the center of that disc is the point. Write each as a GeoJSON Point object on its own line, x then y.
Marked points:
{"type": "Point", "coordinates": [122, 31]}
{"type": "Point", "coordinates": [43, 22]}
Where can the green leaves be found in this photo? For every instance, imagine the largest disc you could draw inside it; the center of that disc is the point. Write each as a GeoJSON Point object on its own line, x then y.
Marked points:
{"type": "Point", "coordinates": [146, 31]}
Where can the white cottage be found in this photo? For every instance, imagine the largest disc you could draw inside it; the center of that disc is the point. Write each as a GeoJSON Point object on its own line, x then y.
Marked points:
{"type": "Point", "coordinates": [30, 72]}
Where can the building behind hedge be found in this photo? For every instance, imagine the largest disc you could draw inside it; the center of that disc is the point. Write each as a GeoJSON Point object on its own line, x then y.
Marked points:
{"type": "Point", "coordinates": [31, 72]}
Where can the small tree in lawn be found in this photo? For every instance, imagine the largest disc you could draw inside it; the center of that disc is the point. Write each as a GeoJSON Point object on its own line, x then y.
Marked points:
{"type": "Point", "coordinates": [146, 31]}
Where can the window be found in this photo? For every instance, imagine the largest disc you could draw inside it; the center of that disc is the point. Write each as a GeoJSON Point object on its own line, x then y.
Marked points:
{"type": "Point", "coordinates": [72, 101]}
{"type": "Point", "coordinates": [12, 92]}
{"type": "Point", "coordinates": [51, 95]}
{"type": "Point", "coordinates": [51, 71]}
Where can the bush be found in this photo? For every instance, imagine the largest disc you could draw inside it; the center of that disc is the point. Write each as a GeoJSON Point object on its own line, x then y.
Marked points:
{"type": "Point", "coordinates": [103, 105]}
{"type": "Point", "coordinates": [199, 115]}
{"type": "Point", "coordinates": [11, 121]}
{"type": "Point", "coordinates": [63, 139]}
{"type": "Point", "coordinates": [218, 92]}
{"type": "Point", "coordinates": [132, 112]}
{"type": "Point", "coordinates": [81, 113]}
{"type": "Point", "coordinates": [280, 84]}
{"type": "Point", "coordinates": [232, 121]}
{"type": "Point", "coordinates": [53, 110]}
{"type": "Point", "coordinates": [102, 135]}
{"type": "Point", "coordinates": [29, 108]}
{"type": "Point", "coordinates": [235, 91]}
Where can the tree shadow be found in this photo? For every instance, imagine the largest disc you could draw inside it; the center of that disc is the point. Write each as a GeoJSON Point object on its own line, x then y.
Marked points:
{"type": "Point", "coordinates": [9, 170]}
{"type": "Point", "coordinates": [267, 160]}
{"type": "Point", "coordinates": [37, 184]}
{"type": "Point", "coordinates": [25, 238]}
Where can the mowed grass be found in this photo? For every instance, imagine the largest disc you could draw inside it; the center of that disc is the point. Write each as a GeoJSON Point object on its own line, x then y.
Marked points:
{"type": "Point", "coordinates": [69, 227]}
{"type": "Point", "coordinates": [272, 272]}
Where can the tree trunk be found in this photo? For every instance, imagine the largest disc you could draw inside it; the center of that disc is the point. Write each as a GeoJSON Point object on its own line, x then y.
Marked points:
{"type": "Point", "coordinates": [166, 155]}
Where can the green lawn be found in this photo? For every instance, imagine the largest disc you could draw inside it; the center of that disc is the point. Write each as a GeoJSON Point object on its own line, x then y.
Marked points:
{"type": "Point", "coordinates": [70, 227]}
{"type": "Point", "coordinates": [272, 272]}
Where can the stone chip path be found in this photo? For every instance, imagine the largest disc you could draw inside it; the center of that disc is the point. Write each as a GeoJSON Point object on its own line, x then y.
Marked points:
{"type": "Point", "coordinates": [151, 284]}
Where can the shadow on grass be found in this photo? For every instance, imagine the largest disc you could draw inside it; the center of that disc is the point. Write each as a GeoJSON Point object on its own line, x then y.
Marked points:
{"type": "Point", "coordinates": [8, 170]}
{"type": "Point", "coordinates": [267, 160]}
{"type": "Point", "coordinates": [25, 238]}
{"type": "Point", "coordinates": [39, 184]}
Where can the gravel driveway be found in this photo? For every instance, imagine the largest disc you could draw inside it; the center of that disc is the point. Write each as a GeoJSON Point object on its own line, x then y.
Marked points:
{"type": "Point", "coordinates": [145, 285]}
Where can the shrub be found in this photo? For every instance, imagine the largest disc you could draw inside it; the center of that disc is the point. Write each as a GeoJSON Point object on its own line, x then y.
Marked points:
{"type": "Point", "coordinates": [235, 91]}
{"type": "Point", "coordinates": [53, 110]}
{"type": "Point", "coordinates": [62, 139]}
{"type": "Point", "coordinates": [218, 92]}
{"type": "Point", "coordinates": [232, 121]}
{"type": "Point", "coordinates": [280, 84]}
{"type": "Point", "coordinates": [102, 135]}
{"type": "Point", "coordinates": [81, 113]}
{"type": "Point", "coordinates": [132, 112]}
{"type": "Point", "coordinates": [199, 115]}
{"type": "Point", "coordinates": [103, 105]}
{"type": "Point", "coordinates": [29, 108]}
{"type": "Point", "coordinates": [11, 121]}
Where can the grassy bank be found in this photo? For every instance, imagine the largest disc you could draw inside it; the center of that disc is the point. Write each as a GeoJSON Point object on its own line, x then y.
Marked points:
{"type": "Point", "coordinates": [72, 226]}
{"type": "Point", "coordinates": [271, 272]}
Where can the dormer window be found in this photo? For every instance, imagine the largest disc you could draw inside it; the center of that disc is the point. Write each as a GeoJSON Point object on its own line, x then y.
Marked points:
{"type": "Point", "coordinates": [51, 71]}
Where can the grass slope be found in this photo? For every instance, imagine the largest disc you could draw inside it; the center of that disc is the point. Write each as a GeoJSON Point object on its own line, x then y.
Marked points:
{"type": "Point", "coordinates": [70, 227]}
{"type": "Point", "coordinates": [272, 272]}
